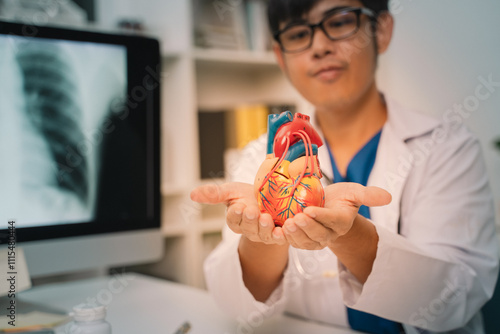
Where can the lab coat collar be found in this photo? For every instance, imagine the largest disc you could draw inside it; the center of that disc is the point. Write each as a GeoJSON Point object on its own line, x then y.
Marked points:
{"type": "Point", "coordinates": [406, 123]}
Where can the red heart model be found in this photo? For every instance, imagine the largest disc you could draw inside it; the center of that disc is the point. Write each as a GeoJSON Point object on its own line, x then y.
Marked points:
{"type": "Point", "coordinates": [289, 178]}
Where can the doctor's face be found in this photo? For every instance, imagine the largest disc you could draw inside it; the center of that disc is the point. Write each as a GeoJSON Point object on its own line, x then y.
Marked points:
{"type": "Point", "coordinates": [331, 73]}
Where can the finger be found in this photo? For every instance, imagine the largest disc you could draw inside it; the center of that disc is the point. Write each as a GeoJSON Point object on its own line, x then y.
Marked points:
{"type": "Point", "coordinates": [287, 234]}
{"type": "Point", "coordinates": [279, 235]}
{"type": "Point", "coordinates": [315, 230]}
{"type": "Point", "coordinates": [234, 217]}
{"type": "Point", "coordinates": [375, 196]}
{"type": "Point", "coordinates": [268, 233]}
{"type": "Point", "coordinates": [297, 237]}
{"type": "Point", "coordinates": [250, 223]}
{"type": "Point", "coordinates": [338, 220]}
{"type": "Point", "coordinates": [358, 194]}
{"type": "Point", "coordinates": [210, 193]}
{"type": "Point", "coordinates": [219, 193]}
{"type": "Point", "coordinates": [266, 226]}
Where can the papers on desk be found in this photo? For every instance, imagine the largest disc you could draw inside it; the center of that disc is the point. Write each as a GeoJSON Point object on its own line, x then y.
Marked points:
{"type": "Point", "coordinates": [32, 321]}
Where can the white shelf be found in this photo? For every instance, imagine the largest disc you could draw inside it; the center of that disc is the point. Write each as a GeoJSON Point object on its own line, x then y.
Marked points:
{"type": "Point", "coordinates": [225, 57]}
{"type": "Point", "coordinates": [234, 56]}
{"type": "Point", "coordinates": [173, 54]}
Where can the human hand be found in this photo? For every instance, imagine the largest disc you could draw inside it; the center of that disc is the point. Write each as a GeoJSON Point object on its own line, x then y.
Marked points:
{"type": "Point", "coordinates": [243, 215]}
{"type": "Point", "coordinates": [317, 228]}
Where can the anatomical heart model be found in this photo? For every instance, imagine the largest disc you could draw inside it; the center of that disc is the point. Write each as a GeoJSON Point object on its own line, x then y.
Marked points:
{"type": "Point", "coordinates": [288, 180]}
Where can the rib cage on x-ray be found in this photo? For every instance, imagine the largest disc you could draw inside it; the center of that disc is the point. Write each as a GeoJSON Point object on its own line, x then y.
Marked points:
{"type": "Point", "coordinates": [51, 106]}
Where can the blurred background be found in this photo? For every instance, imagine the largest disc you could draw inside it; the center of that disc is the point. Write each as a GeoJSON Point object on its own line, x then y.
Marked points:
{"type": "Point", "coordinates": [220, 81]}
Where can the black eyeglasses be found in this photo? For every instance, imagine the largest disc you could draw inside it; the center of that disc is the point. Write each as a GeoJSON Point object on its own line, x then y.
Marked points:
{"type": "Point", "coordinates": [340, 23]}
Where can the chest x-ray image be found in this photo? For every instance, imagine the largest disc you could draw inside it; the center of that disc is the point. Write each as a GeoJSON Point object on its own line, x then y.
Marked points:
{"type": "Point", "coordinates": [55, 99]}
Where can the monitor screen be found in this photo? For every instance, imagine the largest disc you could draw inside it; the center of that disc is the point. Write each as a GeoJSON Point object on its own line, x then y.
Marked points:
{"type": "Point", "coordinates": [79, 132]}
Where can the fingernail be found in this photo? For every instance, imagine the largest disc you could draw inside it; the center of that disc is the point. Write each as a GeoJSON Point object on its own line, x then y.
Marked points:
{"type": "Point", "coordinates": [250, 215]}
{"type": "Point", "coordinates": [277, 237]}
{"type": "Point", "coordinates": [238, 212]}
{"type": "Point", "coordinates": [263, 223]}
{"type": "Point", "coordinates": [291, 228]}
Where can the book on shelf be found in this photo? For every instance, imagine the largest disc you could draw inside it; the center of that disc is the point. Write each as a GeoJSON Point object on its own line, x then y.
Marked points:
{"type": "Point", "coordinates": [229, 24]}
{"type": "Point", "coordinates": [212, 143]}
{"type": "Point", "coordinates": [245, 123]}
{"type": "Point", "coordinates": [220, 24]}
{"type": "Point", "coordinates": [259, 37]}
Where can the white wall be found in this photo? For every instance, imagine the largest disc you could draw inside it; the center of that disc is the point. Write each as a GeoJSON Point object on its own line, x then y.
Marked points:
{"type": "Point", "coordinates": [439, 50]}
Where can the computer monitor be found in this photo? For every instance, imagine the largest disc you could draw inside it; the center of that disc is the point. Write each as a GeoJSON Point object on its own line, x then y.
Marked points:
{"type": "Point", "coordinates": [79, 147]}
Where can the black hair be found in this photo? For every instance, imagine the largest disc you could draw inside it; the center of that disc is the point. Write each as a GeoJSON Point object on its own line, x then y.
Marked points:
{"type": "Point", "coordinates": [286, 10]}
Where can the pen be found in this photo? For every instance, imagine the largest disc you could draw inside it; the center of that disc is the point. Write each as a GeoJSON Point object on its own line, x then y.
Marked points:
{"type": "Point", "coordinates": [185, 327]}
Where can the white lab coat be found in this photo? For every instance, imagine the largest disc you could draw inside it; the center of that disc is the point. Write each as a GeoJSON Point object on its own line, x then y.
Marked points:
{"type": "Point", "coordinates": [434, 275]}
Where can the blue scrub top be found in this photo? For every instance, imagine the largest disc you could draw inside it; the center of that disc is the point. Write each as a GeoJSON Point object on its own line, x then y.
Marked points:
{"type": "Point", "coordinates": [359, 167]}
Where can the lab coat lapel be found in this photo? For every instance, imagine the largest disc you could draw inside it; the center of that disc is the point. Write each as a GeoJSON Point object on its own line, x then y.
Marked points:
{"type": "Point", "coordinates": [394, 159]}
{"type": "Point", "coordinates": [325, 163]}
{"type": "Point", "coordinates": [390, 172]}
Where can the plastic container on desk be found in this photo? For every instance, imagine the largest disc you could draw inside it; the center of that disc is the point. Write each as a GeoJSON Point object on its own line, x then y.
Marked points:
{"type": "Point", "coordinates": [89, 319]}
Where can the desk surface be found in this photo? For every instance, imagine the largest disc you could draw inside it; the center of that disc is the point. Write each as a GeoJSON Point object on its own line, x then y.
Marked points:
{"type": "Point", "coordinates": [142, 304]}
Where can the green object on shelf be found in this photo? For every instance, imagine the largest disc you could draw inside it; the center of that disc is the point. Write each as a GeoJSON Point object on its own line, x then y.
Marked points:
{"type": "Point", "coordinates": [497, 144]}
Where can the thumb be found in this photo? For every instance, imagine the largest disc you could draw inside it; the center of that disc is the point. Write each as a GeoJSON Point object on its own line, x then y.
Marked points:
{"type": "Point", "coordinates": [358, 194]}
{"type": "Point", "coordinates": [375, 196]}
{"type": "Point", "coordinates": [218, 193]}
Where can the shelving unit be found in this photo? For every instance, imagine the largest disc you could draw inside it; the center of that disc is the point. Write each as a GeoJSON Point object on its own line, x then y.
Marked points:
{"type": "Point", "coordinates": [193, 80]}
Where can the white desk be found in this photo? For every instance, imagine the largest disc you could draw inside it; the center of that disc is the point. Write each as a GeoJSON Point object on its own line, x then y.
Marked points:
{"type": "Point", "coordinates": [141, 304]}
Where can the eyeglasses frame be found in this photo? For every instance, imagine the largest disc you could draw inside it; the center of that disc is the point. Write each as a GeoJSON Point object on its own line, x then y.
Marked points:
{"type": "Point", "coordinates": [358, 10]}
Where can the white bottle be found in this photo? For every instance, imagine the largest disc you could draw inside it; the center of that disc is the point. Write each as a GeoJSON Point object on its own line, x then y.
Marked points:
{"type": "Point", "coordinates": [89, 319]}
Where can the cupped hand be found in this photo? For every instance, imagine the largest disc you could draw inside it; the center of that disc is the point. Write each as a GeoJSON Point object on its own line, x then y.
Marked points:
{"type": "Point", "coordinates": [243, 215]}
{"type": "Point", "coordinates": [319, 227]}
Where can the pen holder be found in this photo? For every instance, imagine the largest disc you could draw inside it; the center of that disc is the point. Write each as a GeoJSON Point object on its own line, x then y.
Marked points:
{"type": "Point", "coordinates": [289, 178]}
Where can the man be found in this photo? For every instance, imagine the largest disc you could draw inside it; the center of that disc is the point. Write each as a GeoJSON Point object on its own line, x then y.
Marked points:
{"type": "Point", "coordinates": [427, 260]}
